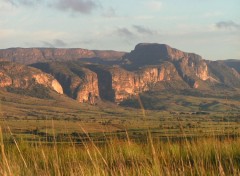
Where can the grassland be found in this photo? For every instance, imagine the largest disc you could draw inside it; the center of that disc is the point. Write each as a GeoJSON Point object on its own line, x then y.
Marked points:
{"type": "Point", "coordinates": [188, 100]}
{"type": "Point", "coordinates": [207, 156]}
{"type": "Point", "coordinates": [59, 136]}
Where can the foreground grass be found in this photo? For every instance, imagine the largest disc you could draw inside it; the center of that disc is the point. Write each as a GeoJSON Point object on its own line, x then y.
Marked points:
{"type": "Point", "coordinates": [205, 156]}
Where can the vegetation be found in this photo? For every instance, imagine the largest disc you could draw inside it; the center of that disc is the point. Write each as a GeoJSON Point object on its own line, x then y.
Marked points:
{"type": "Point", "coordinates": [187, 101]}
{"type": "Point", "coordinates": [36, 90]}
{"type": "Point", "coordinates": [207, 156]}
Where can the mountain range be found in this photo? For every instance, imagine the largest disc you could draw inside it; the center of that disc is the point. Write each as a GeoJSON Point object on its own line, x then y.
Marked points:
{"type": "Point", "coordinates": [93, 76]}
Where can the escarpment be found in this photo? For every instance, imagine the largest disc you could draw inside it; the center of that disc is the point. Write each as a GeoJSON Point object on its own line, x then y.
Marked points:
{"type": "Point", "coordinates": [91, 76]}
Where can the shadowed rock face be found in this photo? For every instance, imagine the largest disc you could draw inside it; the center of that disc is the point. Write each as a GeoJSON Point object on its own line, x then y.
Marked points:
{"type": "Point", "coordinates": [34, 55]}
{"type": "Point", "coordinates": [24, 77]}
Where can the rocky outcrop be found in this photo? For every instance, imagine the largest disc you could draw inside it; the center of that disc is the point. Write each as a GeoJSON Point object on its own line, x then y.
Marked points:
{"type": "Point", "coordinates": [34, 55]}
{"type": "Point", "coordinates": [191, 67]}
{"type": "Point", "coordinates": [20, 76]}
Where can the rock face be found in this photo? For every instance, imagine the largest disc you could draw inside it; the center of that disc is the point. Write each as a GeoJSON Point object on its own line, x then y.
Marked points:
{"type": "Point", "coordinates": [20, 76]}
{"type": "Point", "coordinates": [77, 81]}
{"type": "Point", "coordinates": [34, 55]}
{"type": "Point", "coordinates": [125, 83]}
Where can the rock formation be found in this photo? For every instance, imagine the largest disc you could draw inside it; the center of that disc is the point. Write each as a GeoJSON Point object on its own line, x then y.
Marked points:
{"type": "Point", "coordinates": [89, 82]}
{"type": "Point", "coordinates": [20, 76]}
{"type": "Point", "coordinates": [89, 76]}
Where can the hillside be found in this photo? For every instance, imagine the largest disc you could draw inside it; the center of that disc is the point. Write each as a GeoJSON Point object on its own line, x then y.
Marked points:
{"type": "Point", "coordinates": [233, 63]}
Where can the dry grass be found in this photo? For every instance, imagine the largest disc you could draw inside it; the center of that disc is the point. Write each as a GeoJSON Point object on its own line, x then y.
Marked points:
{"type": "Point", "coordinates": [205, 156]}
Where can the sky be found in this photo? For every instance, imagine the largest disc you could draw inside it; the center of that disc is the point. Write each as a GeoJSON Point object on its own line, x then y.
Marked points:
{"type": "Point", "coordinates": [210, 28]}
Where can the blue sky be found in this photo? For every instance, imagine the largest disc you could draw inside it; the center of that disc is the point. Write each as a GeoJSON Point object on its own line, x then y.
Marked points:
{"type": "Point", "coordinates": [210, 28]}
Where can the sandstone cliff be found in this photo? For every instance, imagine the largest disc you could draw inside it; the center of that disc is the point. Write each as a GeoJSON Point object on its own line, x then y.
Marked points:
{"type": "Point", "coordinates": [89, 82]}
{"type": "Point", "coordinates": [23, 77]}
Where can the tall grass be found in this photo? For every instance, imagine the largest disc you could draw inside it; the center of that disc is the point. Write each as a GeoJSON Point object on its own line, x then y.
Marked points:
{"type": "Point", "coordinates": [205, 156]}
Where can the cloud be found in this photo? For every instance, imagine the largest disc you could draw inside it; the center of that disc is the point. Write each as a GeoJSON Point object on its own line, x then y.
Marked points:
{"type": "Point", "coordinates": [55, 43]}
{"type": "Point", "coordinates": [143, 30]}
{"type": "Point", "coordinates": [124, 32]}
{"type": "Point", "coordinates": [227, 25]}
{"type": "Point", "coordinates": [80, 6]}
{"type": "Point", "coordinates": [23, 2]}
